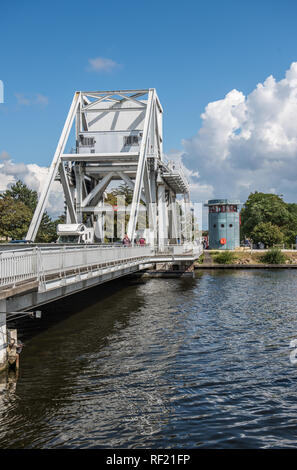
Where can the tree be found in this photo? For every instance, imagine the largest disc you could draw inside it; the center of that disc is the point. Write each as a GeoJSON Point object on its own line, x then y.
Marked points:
{"type": "Point", "coordinates": [15, 218]}
{"type": "Point", "coordinates": [263, 208]}
{"type": "Point", "coordinates": [18, 204]}
{"type": "Point", "coordinates": [267, 233]}
{"type": "Point", "coordinates": [124, 190]}
{"type": "Point", "coordinates": [21, 193]}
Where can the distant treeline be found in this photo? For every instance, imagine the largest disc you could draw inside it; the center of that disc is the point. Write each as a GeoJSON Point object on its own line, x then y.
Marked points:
{"type": "Point", "coordinates": [265, 218]}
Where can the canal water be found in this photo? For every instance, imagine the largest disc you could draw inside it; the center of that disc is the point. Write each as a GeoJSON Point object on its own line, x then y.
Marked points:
{"type": "Point", "coordinates": [165, 363]}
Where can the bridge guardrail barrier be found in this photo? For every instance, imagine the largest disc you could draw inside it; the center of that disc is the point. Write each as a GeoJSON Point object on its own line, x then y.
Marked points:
{"type": "Point", "coordinates": [187, 248]}
{"type": "Point", "coordinates": [33, 264]}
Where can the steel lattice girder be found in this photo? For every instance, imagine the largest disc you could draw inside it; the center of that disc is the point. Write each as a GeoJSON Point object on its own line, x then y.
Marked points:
{"type": "Point", "coordinates": [118, 136]}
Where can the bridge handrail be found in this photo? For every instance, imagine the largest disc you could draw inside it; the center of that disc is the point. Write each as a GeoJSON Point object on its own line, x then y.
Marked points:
{"type": "Point", "coordinates": [179, 249]}
{"type": "Point", "coordinates": [32, 264]}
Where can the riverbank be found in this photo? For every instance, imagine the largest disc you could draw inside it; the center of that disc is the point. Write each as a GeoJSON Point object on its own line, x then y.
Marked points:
{"type": "Point", "coordinates": [245, 260]}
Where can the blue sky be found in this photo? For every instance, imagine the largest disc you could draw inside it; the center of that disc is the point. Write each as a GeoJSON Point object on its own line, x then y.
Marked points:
{"type": "Point", "coordinates": [192, 52]}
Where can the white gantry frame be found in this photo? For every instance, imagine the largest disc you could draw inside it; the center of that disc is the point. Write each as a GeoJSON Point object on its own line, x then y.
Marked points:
{"type": "Point", "coordinates": [118, 137]}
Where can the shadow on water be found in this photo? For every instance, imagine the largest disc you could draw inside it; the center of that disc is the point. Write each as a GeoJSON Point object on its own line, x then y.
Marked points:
{"type": "Point", "coordinates": [73, 337]}
{"type": "Point", "coordinates": [58, 311]}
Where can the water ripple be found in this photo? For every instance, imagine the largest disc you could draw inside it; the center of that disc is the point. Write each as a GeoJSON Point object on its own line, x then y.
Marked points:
{"type": "Point", "coordinates": [161, 364]}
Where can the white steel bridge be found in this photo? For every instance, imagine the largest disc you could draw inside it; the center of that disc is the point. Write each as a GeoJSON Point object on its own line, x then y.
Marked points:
{"type": "Point", "coordinates": [118, 137]}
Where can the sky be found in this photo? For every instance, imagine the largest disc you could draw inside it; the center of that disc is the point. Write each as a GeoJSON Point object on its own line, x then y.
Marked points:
{"type": "Point", "coordinates": [225, 72]}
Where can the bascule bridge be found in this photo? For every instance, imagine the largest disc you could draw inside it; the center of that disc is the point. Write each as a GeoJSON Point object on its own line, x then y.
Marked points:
{"type": "Point", "coordinates": [118, 138]}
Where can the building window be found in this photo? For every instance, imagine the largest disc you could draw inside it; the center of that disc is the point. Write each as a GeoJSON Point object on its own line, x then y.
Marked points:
{"type": "Point", "coordinates": [214, 225]}
{"type": "Point", "coordinates": [131, 140]}
{"type": "Point", "coordinates": [222, 225]}
{"type": "Point", "coordinates": [87, 141]}
{"type": "Point", "coordinates": [230, 225]}
{"type": "Point", "coordinates": [214, 209]}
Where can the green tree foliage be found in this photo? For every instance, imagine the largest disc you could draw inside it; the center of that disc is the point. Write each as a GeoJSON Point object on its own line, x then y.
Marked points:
{"type": "Point", "coordinates": [127, 193]}
{"type": "Point", "coordinates": [17, 205]}
{"type": "Point", "coordinates": [267, 233]}
{"type": "Point", "coordinates": [15, 218]}
{"type": "Point", "coordinates": [21, 193]}
{"type": "Point", "coordinates": [124, 190]}
{"type": "Point", "coordinates": [264, 213]}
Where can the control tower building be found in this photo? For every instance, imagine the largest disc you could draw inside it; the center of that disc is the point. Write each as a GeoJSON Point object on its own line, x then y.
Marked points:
{"type": "Point", "coordinates": [223, 224]}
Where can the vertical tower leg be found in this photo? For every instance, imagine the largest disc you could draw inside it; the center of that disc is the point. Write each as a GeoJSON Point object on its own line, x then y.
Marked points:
{"type": "Point", "coordinates": [79, 192]}
{"type": "Point", "coordinates": [153, 209]}
{"type": "Point", "coordinates": [173, 219]}
{"type": "Point", "coordinates": [162, 217]}
{"type": "Point", "coordinates": [34, 226]}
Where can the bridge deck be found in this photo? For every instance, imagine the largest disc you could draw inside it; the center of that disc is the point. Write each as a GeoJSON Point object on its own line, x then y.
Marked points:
{"type": "Point", "coordinates": [37, 275]}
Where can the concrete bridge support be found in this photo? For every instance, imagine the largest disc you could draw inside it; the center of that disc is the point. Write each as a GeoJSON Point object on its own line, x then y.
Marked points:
{"type": "Point", "coordinates": [169, 269]}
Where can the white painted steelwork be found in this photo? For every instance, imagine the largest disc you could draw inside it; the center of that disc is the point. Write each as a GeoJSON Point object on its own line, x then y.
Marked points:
{"type": "Point", "coordinates": [18, 266]}
{"type": "Point", "coordinates": [118, 138]}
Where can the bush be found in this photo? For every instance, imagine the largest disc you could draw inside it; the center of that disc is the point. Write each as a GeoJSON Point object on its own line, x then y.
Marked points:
{"type": "Point", "coordinates": [224, 257]}
{"type": "Point", "coordinates": [273, 256]}
{"type": "Point", "coordinates": [201, 259]}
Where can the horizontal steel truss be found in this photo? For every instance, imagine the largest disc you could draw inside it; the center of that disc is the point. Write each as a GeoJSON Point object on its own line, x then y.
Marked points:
{"type": "Point", "coordinates": [134, 168]}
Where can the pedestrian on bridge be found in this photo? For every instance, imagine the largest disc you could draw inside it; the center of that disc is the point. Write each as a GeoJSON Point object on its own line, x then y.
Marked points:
{"type": "Point", "coordinates": [126, 240]}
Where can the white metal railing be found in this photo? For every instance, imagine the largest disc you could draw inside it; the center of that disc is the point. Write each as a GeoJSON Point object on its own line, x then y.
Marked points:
{"type": "Point", "coordinates": [18, 266]}
{"type": "Point", "coordinates": [68, 259]}
{"type": "Point", "coordinates": [186, 248]}
{"type": "Point", "coordinates": [33, 264]}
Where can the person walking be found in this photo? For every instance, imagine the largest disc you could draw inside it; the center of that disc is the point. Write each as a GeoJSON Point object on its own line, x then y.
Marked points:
{"type": "Point", "coordinates": [142, 241]}
{"type": "Point", "coordinates": [126, 240]}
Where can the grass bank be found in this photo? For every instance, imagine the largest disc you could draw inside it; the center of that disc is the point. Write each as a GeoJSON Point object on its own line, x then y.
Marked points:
{"type": "Point", "coordinates": [240, 257]}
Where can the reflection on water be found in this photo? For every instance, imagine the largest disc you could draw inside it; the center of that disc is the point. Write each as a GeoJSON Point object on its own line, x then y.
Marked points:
{"type": "Point", "coordinates": [164, 363]}
{"type": "Point", "coordinates": [8, 380]}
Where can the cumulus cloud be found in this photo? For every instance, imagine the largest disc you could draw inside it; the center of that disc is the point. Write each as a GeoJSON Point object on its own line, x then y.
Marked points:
{"type": "Point", "coordinates": [102, 64]}
{"type": "Point", "coordinates": [246, 143]}
{"type": "Point", "coordinates": [34, 177]}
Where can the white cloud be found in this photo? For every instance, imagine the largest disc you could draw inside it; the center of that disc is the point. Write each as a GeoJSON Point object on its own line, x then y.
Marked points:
{"type": "Point", "coordinates": [199, 191]}
{"type": "Point", "coordinates": [34, 177]}
{"type": "Point", "coordinates": [102, 64]}
{"type": "Point", "coordinates": [247, 143]}
{"type": "Point", "coordinates": [21, 99]}
{"type": "Point", "coordinates": [28, 100]}
{"type": "Point", "coordinates": [41, 99]}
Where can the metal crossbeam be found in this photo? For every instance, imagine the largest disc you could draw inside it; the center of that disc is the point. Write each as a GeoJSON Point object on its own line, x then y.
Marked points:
{"type": "Point", "coordinates": [118, 135]}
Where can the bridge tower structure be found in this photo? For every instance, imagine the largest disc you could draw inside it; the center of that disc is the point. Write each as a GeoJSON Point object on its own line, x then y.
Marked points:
{"type": "Point", "coordinates": [118, 137]}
